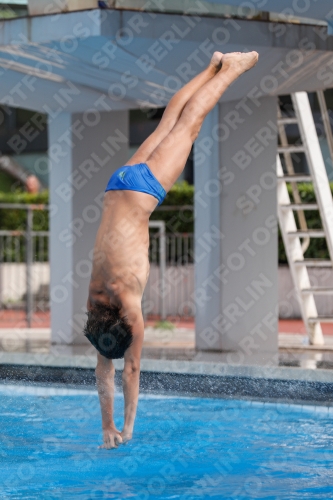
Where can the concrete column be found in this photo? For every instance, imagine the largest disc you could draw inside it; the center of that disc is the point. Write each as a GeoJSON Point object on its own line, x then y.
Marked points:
{"type": "Point", "coordinates": [236, 278]}
{"type": "Point", "coordinates": [84, 150]}
{"type": "Point", "coordinates": [207, 203]}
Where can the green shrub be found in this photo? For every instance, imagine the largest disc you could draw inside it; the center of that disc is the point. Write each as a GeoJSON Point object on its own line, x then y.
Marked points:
{"type": "Point", "coordinates": [177, 221]}
{"type": "Point", "coordinates": [317, 248]}
{"type": "Point", "coordinates": [16, 218]}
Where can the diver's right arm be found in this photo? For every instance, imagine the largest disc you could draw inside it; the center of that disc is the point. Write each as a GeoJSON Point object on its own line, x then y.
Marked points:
{"type": "Point", "coordinates": [105, 385]}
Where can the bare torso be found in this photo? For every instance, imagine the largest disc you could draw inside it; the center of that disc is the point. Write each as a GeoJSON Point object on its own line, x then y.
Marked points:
{"type": "Point", "coordinates": [120, 260]}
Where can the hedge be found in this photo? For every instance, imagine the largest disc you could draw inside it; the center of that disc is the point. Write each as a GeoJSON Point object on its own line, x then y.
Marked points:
{"type": "Point", "coordinates": [177, 221]}
{"type": "Point", "coordinates": [16, 218]}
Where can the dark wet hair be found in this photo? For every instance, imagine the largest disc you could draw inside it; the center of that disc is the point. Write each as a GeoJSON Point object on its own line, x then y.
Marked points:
{"type": "Point", "coordinates": [108, 331]}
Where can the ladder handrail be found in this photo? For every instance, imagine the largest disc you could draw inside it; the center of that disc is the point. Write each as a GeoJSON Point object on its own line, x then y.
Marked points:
{"type": "Point", "coordinates": [294, 252]}
{"type": "Point", "coordinates": [326, 121]}
{"type": "Point", "coordinates": [294, 186]}
{"type": "Point", "coordinates": [291, 235]}
{"type": "Point", "coordinates": [316, 164]}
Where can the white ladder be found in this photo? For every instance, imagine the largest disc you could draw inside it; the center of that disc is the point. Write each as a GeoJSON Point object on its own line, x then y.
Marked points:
{"type": "Point", "coordinates": [291, 235]}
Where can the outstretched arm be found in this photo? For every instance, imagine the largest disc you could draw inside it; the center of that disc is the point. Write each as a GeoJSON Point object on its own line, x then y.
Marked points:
{"type": "Point", "coordinates": [105, 385]}
{"type": "Point", "coordinates": [131, 376]}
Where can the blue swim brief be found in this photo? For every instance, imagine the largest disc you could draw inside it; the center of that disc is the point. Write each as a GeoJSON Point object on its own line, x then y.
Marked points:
{"type": "Point", "coordinates": [137, 177]}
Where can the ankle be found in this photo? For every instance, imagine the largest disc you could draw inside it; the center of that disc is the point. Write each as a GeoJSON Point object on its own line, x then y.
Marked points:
{"type": "Point", "coordinates": [232, 72]}
{"type": "Point", "coordinates": [213, 69]}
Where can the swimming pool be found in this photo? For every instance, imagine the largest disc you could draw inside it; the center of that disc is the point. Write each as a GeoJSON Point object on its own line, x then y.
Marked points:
{"type": "Point", "coordinates": [183, 448]}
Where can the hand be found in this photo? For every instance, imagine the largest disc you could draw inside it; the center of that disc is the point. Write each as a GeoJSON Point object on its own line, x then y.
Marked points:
{"type": "Point", "coordinates": [126, 436]}
{"type": "Point", "coordinates": [112, 438]}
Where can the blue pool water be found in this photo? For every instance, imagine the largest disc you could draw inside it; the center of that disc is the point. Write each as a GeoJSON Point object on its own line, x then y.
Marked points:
{"type": "Point", "coordinates": [183, 448]}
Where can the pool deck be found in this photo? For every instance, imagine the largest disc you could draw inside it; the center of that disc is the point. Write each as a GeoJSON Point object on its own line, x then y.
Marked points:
{"type": "Point", "coordinates": [192, 367]}
{"type": "Point", "coordinates": [171, 364]}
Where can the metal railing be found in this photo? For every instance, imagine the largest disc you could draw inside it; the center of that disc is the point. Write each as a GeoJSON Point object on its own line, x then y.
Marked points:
{"type": "Point", "coordinates": [158, 240]}
{"type": "Point", "coordinates": [25, 273]}
{"type": "Point", "coordinates": [170, 286]}
{"type": "Point", "coordinates": [21, 254]}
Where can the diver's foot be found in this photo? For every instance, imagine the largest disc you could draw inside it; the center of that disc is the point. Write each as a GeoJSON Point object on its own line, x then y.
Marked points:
{"type": "Point", "coordinates": [239, 62]}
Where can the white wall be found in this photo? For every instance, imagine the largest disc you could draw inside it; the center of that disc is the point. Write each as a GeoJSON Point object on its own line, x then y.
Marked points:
{"type": "Point", "coordinates": [179, 288]}
{"type": "Point", "coordinates": [13, 280]}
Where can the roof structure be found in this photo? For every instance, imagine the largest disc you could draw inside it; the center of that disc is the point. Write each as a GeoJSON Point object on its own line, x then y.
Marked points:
{"type": "Point", "coordinates": [312, 9]}
{"type": "Point", "coordinates": [114, 59]}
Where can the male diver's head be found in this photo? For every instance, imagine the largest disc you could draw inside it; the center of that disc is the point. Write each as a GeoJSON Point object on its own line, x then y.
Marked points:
{"type": "Point", "coordinates": [108, 331]}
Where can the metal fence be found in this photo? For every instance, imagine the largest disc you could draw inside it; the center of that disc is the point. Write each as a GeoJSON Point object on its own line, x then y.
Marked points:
{"type": "Point", "coordinates": [24, 269]}
{"type": "Point", "coordinates": [171, 283]}
{"type": "Point", "coordinates": [25, 272]}
{"type": "Point", "coordinates": [25, 276]}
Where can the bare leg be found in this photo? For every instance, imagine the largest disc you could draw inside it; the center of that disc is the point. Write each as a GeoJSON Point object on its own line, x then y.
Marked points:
{"type": "Point", "coordinates": [168, 159]}
{"type": "Point", "coordinates": [175, 108]}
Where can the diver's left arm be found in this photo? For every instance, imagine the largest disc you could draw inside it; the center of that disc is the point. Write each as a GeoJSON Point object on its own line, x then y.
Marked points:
{"type": "Point", "coordinates": [131, 376]}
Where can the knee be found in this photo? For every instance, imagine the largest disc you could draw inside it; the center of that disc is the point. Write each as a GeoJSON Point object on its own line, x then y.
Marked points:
{"type": "Point", "coordinates": [192, 125]}
{"type": "Point", "coordinates": [195, 132]}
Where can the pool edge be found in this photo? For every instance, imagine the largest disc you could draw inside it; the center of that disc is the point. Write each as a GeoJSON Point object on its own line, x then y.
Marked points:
{"type": "Point", "coordinates": [174, 366]}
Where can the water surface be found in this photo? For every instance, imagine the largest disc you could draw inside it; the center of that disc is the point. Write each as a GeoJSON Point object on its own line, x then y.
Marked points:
{"type": "Point", "coordinates": [183, 448]}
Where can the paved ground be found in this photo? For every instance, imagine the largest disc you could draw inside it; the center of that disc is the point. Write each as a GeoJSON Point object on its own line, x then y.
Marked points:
{"type": "Point", "coordinates": [173, 345]}
{"type": "Point", "coordinates": [17, 319]}
{"type": "Point", "coordinates": [177, 344]}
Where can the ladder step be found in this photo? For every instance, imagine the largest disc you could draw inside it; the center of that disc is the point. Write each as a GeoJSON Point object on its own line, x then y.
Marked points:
{"type": "Point", "coordinates": [321, 319]}
{"type": "Point", "coordinates": [313, 263]}
{"type": "Point", "coordinates": [300, 206]}
{"type": "Point", "coordinates": [320, 290]}
{"type": "Point", "coordinates": [296, 178]}
{"type": "Point", "coordinates": [287, 121]}
{"type": "Point", "coordinates": [291, 149]}
{"type": "Point", "coordinates": [312, 233]}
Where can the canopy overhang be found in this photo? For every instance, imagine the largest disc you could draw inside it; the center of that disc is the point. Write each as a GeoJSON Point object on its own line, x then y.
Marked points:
{"type": "Point", "coordinates": [313, 9]}
{"type": "Point", "coordinates": [115, 60]}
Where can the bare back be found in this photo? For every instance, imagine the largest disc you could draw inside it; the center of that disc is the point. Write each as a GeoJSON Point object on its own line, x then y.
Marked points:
{"type": "Point", "coordinates": [120, 260]}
